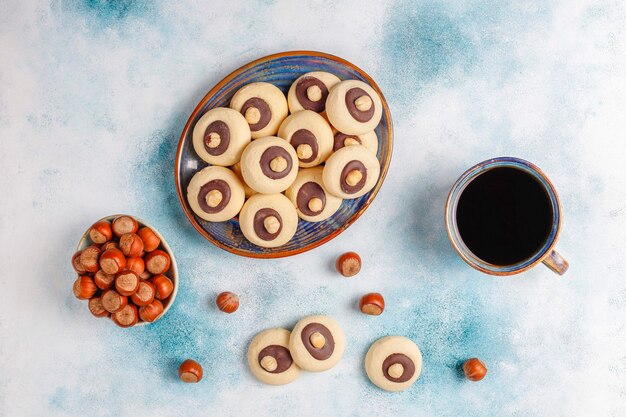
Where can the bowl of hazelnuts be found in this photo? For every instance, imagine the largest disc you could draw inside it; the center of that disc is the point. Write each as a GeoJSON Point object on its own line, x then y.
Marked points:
{"type": "Point", "coordinates": [126, 271]}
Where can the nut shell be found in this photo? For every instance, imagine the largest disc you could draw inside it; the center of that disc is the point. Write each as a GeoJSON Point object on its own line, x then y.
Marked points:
{"type": "Point", "coordinates": [157, 262]}
{"type": "Point", "coordinates": [372, 304]}
{"type": "Point", "coordinates": [152, 311]}
{"type": "Point", "coordinates": [103, 280]}
{"type": "Point", "coordinates": [150, 240]}
{"type": "Point", "coordinates": [127, 316]}
{"type": "Point", "coordinates": [136, 264]}
{"type": "Point", "coordinates": [112, 301]}
{"type": "Point", "coordinates": [190, 371]}
{"type": "Point", "coordinates": [348, 264]}
{"type": "Point", "coordinates": [228, 302]}
{"type": "Point", "coordinates": [96, 308]}
{"type": "Point", "coordinates": [131, 245]}
{"type": "Point", "coordinates": [84, 287]}
{"type": "Point", "coordinates": [127, 282]}
{"type": "Point", "coordinates": [78, 267]}
{"type": "Point", "coordinates": [112, 261]}
{"type": "Point", "coordinates": [144, 294]}
{"type": "Point", "coordinates": [474, 369]}
{"type": "Point", "coordinates": [89, 258]}
{"type": "Point", "coordinates": [163, 285]}
{"type": "Point", "coordinates": [101, 232]}
{"type": "Point", "coordinates": [124, 224]}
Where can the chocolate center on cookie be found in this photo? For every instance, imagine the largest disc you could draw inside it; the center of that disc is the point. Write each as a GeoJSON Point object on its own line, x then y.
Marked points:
{"type": "Point", "coordinates": [318, 341]}
{"type": "Point", "coordinates": [341, 140]}
{"type": "Point", "coordinates": [257, 113]}
{"type": "Point", "coordinates": [267, 224]}
{"type": "Point", "coordinates": [306, 94]}
{"type": "Point", "coordinates": [276, 162]}
{"type": "Point", "coordinates": [311, 199]}
{"type": "Point", "coordinates": [275, 359]}
{"type": "Point", "coordinates": [353, 177]}
{"type": "Point", "coordinates": [359, 104]}
{"type": "Point", "coordinates": [214, 196]}
{"type": "Point", "coordinates": [305, 143]}
{"type": "Point", "coordinates": [216, 138]}
{"type": "Point", "coordinates": [398, 367]}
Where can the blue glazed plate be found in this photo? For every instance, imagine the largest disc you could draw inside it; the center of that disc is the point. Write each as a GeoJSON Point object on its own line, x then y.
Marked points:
{"type": "Point", "coordinates": [281, 70]}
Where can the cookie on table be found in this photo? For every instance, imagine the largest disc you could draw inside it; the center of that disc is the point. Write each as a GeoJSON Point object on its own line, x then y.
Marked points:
{"type": "Point", "coordinates": [310, 135]}
{"type": "Point", "coordinates": [317, 343]}
{"type": "Point", "coordinates": [263, 106]}
{"type": "Point", "coordinates": [313, 203]}
{"type": "Point", "coordinates": [220, 136]}
{"type": "Point", "coordinates": [268, 220]}
{"type": "Point", "coordinates": [309, 91]}
{"type": "Point", "coordinates": [246, 188]}
{"type": "Point", "coordinates": [393, 363]}
{"type": "Point", "coordinates": [215, 194]}
{"type": "Point", "coordinates": [353, 107]}
{"type": "Point", "coordinates": [351, 172]}
{"type": "Point", "coordinates": [369, 140]}
{"type": "Point", "coordinates": [269, 357]}
{"type": "Point", "coordinates": [269, 165]}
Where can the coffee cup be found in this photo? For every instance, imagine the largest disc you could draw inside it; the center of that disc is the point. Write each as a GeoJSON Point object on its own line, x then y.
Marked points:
{"type": "Point", "coordinates": [503, 217]}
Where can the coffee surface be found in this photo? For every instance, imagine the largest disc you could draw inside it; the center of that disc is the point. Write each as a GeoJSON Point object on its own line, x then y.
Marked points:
{"type": "Point", "coordinates": [504, 216]}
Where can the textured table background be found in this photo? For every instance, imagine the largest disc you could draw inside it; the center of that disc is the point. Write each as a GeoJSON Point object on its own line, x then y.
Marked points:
{"type": "Point", "coordinates": [93, 97]}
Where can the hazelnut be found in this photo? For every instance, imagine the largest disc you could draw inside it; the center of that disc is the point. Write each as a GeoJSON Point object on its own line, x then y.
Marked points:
{"type": "Point", "coordinates": [103, 280]}
{"type": "Point", "coordinates": [78, 267]}
{"type": "Point", "coordinates": [89, 258]}
{"type": "Point", "coordinates": [348, 264]}
{"type": "Point", "coordinates": [131, 245]}
{"type": "Point", "coordinates": [101, 232]}
{"type": "Point", "coordinates": [317, 340]}
{"type": "Point", "coordinates": [314, 93]}
{"type": "Point", "coordinates": [474, 369]}
{"type": "Point", "coordinates": [354, 177]}
{"type": "Point", "coordinates": [271, 224]}
{"type": "Point", "coordinates": [363, 103]}
{"type": "Point", "coordinates": [269, 363]}
{"type": "Point", "coordinates": [144, 294]}
{"type": "Point", "coordinates": [190, 371]}
{"type": "Point", "coordinates": [278, 164]}
{"type": "Point", "coordinates": [84, 287]}
{"type": "Point", "coordinates": [157, 262]}
{"type": "Point", "coordinates": [316, 205]}
{"type": "Point", "coordinates": [127, 316]}
{"type": "Point", "coordinates": [96, 308]}
{"type": "Point", "coordinates": [228, 302]}
{"type": "Point", "coordinates": [151, 312]}
{"type": "Point", "coordinates": [372, 304]}
{"type": "Point", "coordinates": [163, 285]}
{"type": "Point", "coordinates": [112, 261]}
{"type": "Point", "coordinates": [127, 283]}
{"type": "Point", "coordinates": [124, 224]}
{"type": "Point", "coordinates": [150, 240]}
{"type": "Point", "coordinates": [252, 115]}
{"type": "Point", "coordinates": [304, 151]}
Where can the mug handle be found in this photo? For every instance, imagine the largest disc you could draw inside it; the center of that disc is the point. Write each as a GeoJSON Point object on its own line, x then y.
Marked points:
{"type": "Point", "coordinates": [556, 262]}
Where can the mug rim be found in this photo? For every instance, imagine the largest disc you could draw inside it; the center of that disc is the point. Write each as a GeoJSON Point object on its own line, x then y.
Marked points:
{"type": "Point", "coordinates": [450, 216]}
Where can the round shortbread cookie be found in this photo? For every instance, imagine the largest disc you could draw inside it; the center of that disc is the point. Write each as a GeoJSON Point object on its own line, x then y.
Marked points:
{"type": "Point", "coordinates": [220, 136]}
{"type": "Point", "coordinates": [215, 194]}
{"type": "Point", "coordinates": [269, 165]}
{"type": "Point", "coordinates": [317, 343]}
{"type": "Point", "coordinates": [310, 135]}
{"type": "Point", "coordinates": [263, 106]}
{"type": "Point", "coordinates": [393, 363]}
{"type": "Point", "coordinates": [268, 220]}
{"type": "Point", "coordinates": [269, 358]}
{"type": "Point", "coordinates": [369, 140]}
{"type": "Point", "coordinates": [353, 107]}
{"type": "Point", "coordinates": [309, 91]}
{"type": "Point", "coordinates": [310, 198]}
{"type": "Point", "coordinates": [351, 172]}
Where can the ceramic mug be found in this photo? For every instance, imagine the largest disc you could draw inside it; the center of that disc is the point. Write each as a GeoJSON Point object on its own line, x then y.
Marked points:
{"type": "Point", "coordinates": [545, 253]}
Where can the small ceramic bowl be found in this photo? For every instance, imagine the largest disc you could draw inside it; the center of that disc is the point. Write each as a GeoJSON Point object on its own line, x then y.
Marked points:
{"type": "Point", "coordinates": [281, 70]}
{"type": "Point", "coordinates": [172, 274]}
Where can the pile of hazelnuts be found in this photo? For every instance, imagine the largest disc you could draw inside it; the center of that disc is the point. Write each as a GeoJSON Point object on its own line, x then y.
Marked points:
{"type": "Point", "coordinates": [122, 272]}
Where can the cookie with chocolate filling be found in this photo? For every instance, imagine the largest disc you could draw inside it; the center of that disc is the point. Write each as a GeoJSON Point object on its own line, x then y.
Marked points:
{"type": "Point", "coordinates": [263, 106]}
{"type": "Point", "coordinates": [353, 107]}
{"type": "Point", "coordinates": [269, 358]}
{"type": "Point", "coordinates": [309, 91]}
{"type": "Point", "coordinates": [393, 363]}
{"type": "Point", "coordinates": [351, 172]}
{"type": "Point", "coordinates": [220, 136]}
{"type": "Point", "coordinates": [369, 140]}
{"type": "Point", "coordinates": [310, 135]}
{"type": "Point", "coordinates": [317, 343]}
{"type": "Point", "coordinates": [269, 165]}
{"type": "Point", "coordinates": [268, 220]}
{"type": "Point", "coordinates": [215, 194]}
{"type": "Point", "coordinates": [313, 203]}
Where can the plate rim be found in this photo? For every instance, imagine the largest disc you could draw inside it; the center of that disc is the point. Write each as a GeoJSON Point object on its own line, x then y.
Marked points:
{"type": "Point", "coordinates": [282, 254]}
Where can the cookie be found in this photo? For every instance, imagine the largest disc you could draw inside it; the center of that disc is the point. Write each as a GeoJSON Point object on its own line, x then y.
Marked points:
{"type": "Point", "coordinates": [393, 363]}
{"type": "Point", "coordinates": [317, 343]}
{"type": "Point", "coordinates": [215, 194]}
{"type": "Point", "coordinates": [237, 170]}
{"type": "Point", "coordinates": [220, 136]}
{"type": "Point", "coordinates": [308, 195]}
{"type": "Point", "coordinates": [269, 165]}
{"type": "Point", "coordinates": [269, 358]}
{"type": "Point", "coordinates": [309, 91]}
{"type": "Point", "coordinates": [310, 135]}
{"type": "Point", "coordinates": [369, 140]}
{"type": "Point", "coordinates": [353, 107]}
{"type": "Point", "coordinates": [351, 172]}
{"type": "Point", "coordinates": [268, 220]}
{"type": "Point", "coordinates": [263, 105]}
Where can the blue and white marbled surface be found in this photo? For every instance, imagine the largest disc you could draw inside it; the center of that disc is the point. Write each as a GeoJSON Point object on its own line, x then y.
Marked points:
{"type": "Point", "coordinates": [94, 95]}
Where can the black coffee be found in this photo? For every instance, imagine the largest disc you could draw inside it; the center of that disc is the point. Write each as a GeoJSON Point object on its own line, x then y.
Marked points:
{"type": "Point", "coordinates": [504, 216]}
